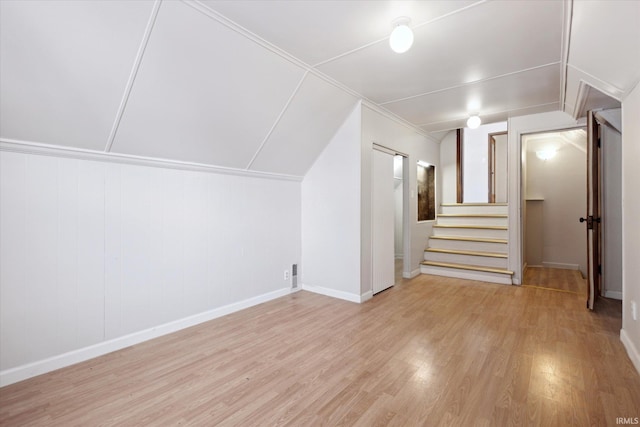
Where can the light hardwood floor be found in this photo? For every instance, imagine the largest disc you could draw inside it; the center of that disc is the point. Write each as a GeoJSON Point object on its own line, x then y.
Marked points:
{"type": "Point", "coordinates": [430, 351]}
{"type": "Point", "coordinates": [554, 278]}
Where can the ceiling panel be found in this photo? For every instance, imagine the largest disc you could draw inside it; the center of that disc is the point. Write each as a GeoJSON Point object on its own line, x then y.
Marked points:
{"type": "Point", "coordinates": [605, 43]}
{"type": "Point", "coordinates": [489, 40]}
{"type": "Point", "coordinates": [515, 91]}
{"type": "Point", "coordinates": [315, 114]}
{"type": "Point", "coordinates": [64, 67]}
{"type": "Point", "coordinates": [315, 31]}
{"type": "Point", "coordinates": [204, 93]}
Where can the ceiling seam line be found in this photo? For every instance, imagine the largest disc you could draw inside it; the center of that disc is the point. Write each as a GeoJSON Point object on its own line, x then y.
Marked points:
{"type": "Point", "coordinates": [134, 73]}
{"type": "Point", "coordinates": [564, 52]}
{"type": "Point", "coordinates": [275, 124]}
{"type": "Point", "coordinates": [239, 29]}
{"type": "Point", "coordinates": [431, 21]}
{"type": "Point", "coordinates": [492, 112]}
{"type": "Point", "coordinates": [233, 26]}
{"type": "Point", "coordinates": [471, 83]}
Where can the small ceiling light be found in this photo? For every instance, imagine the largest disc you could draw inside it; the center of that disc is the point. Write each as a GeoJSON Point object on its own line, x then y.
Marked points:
{"type": "Point", "coordinates": [473, 122]}
{"type": "Point", "coordinates": [546, 154]}
{"type": "Point", "coordinates": [401, 37]}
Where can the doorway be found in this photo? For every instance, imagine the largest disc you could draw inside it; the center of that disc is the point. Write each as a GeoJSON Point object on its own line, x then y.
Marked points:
{"type": "Point", "coordinates": [398, 230]}
{"type": "Point", "coordinates": [497, 166]}
{"type": "Point", "coordinates": [389, 187]}
{"type": "Point", "coordinates": [554, 180]}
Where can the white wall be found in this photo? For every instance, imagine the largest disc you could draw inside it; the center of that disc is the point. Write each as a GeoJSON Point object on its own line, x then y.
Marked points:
{"type": "Point", "coordinates": [630, 333]}
{"type": "Point", "coordinates": [519, 126]}
{"type": "Point", "coordinates": [331, 216]}
{"type": "Point", "coordinates": [99, 255]}
{"type": "Point", "coordinates": [475, 168]}
{"type": "Point", "coordinates": [447, 174]}
{"type": "Point", "coordinates": [561, 184]}
{"type": "Point", "coordinates": [379, 129]}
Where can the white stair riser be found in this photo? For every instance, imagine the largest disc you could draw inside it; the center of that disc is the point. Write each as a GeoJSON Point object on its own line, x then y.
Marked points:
{"type": "Point", "coordinates": [465, 220]}
{"type": "Point", "coordinates": [471, 232]}
{"type": "Point", "coordinates": [467, 274]}
{"type": "Point", "coordinates": [468, 245]}
{"type": "Point", "coordinates": [483, 261]}
{"type": "Point", "coordinates": [483, 209]}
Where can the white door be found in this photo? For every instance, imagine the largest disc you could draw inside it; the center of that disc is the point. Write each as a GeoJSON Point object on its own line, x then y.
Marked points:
{"type": "Point", "coordinates": [382, 221]}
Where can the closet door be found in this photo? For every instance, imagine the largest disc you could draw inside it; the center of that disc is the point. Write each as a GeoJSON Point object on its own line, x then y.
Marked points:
{"type": "Point", "coordinates": [382, 221]}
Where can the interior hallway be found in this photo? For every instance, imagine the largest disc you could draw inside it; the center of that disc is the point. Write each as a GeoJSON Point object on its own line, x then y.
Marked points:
{"type": "Point", "coordinates": [429, 351]}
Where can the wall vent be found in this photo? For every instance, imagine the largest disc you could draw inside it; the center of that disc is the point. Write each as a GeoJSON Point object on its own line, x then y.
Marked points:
{"type": "Point", "coordinates": [294, 276]}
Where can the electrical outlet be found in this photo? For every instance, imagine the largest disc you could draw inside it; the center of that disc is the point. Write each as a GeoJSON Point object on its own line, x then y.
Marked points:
{"type": "Point", "coordinates": [286, 275]}
{"type": "Point", "coordinates": [634, 310]}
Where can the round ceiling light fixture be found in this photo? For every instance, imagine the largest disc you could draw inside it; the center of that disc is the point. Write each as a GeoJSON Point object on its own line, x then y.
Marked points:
{"type": "Point", "coordinates": [474, 122]}
{"type": "Point", "coordinates": [401, 37]}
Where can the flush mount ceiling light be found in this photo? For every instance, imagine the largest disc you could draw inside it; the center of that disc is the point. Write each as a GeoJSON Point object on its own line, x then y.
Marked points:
{"type": "Point", "coordinates": [401, 37]}
{"type": "Point", "coordinates": [473, 122]}
{"type": "Point", "coordinates": [546, 154]}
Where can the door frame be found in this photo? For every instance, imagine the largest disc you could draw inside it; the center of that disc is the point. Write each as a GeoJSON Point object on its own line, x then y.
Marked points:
{"type": "Point", "coordinates": [516, 194]}
{"type": "Point", "coordinates": [491, 165]}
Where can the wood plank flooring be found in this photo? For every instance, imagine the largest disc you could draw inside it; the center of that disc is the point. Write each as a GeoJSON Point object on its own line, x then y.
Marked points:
{"type": "Point", "coordinates": [430, 351]}
{"type": "Point", "coordinates": [555, 278]}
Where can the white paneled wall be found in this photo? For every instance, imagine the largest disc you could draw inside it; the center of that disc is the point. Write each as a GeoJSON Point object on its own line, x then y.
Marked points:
{"type": "Point", "coordinates": [94, 251]}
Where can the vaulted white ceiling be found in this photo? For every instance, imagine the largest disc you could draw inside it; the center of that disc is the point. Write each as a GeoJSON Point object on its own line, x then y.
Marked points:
{"type": "Point", "coordinates": [263, 85]}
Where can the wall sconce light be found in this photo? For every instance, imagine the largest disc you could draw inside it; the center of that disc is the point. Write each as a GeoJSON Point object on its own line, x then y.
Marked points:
{"type": "Point", "coordinates": [401, 37]}
{"type": "Point", "coordinates": [474, 122]}
{"type": "Point", "coordinates": [546, 154]}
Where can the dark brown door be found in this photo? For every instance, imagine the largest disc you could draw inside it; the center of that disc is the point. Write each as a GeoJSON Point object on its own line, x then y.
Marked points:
{"type": "Point", "coordinates": [592, 220]}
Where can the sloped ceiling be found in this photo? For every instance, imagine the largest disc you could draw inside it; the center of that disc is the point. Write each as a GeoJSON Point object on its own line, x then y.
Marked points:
{"type": "Point", "coordinates": [263, 85]}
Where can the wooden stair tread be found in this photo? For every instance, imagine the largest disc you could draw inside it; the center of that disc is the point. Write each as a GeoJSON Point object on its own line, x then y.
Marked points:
{"type": "Point", "coordinates": [474, 204]}
{"type": "Point", "coordinates": [486, 227]}
{"type": "Point", "coordinates": [466, 252]}
{"type": "Point", "coordinates": [473, 215]}
{"type": "Point", "coordinates": [470, 239]}
{"type": "Point", "coordinates": [467, 267]}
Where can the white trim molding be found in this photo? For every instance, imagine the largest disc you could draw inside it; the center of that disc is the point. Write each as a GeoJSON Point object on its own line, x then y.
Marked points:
{"type": "Point", "coordinates": [613, 295]}
{"type": "Point", "coordinates": [411, 274]}
{"type": "Point", "coordinates": [564, 266]}
{"type": "Point", "coordinates": [632, 351]}
{"type": "Point", "coordinates": [27, 147]}
{"type": "Point", "coordinates": [333, 293]}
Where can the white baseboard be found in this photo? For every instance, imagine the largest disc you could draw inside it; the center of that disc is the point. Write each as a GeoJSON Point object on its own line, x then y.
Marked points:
{"type": "Point", "coordinates": [411, 275]}
{"type": "Point", "coordinates": [560, 265]}
{"type": "Point", "coordinates": [613, 294]}
{"type": "Point", "coordinates": [366, 296]}
{"type": "Point", "coordinates": [632, 351]}
{"type": "Point", "coordinates": [333, 293]}
{"type": "Point", "coordinates": [19, 373]}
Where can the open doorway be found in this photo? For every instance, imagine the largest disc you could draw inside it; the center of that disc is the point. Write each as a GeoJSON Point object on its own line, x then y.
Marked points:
{"type": "Point", "coordinates": [497, 166]}
{"type": "Point", "coordinates": [398, 230]}
{"type": "Point", "coordinates": [389, 217]}
{"type": "Point", "coordinates": [554, 179]}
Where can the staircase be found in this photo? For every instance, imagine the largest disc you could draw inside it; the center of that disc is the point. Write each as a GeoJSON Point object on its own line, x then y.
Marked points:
{"type": "Point", "coordinates": [469, 241]}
